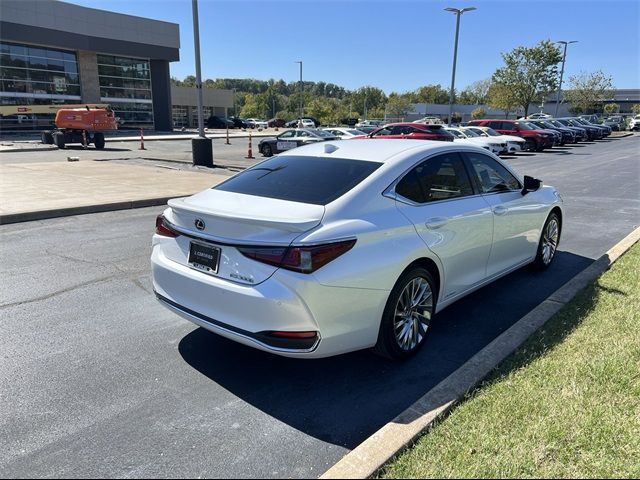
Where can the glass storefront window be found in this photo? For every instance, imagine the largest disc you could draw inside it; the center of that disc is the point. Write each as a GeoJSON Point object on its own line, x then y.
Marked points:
{"type": "Point", "coordinates": [125, 83]}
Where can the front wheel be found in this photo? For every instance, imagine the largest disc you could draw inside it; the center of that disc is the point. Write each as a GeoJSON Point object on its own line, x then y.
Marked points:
{"type": "Point", "coordinates": [548, 244]}
{"type": "Point", "coordinates": [407, 315]}
{"type": "Point", "coordinates": [98, 140]}
{"type": "Point", "coordinates": [266, 150]}
{"type": "Point", "coordinates": [530, 145]}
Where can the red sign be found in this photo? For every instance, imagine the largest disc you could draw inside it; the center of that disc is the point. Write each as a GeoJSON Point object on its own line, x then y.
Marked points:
{"type": "Point", "coordinates": [23, 109]}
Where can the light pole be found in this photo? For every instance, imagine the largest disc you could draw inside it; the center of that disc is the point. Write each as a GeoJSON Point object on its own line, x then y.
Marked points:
{"type": "Point", "coordinates": [201, 147]}
{"type": "Point", "coordinates": [564, 57]}
{"type": "Point", "coordinates": [301, 93]}
{"type": "Point", "coordinates": [458, 12]}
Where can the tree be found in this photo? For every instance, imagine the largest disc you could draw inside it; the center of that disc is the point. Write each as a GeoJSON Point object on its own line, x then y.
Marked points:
{"type": "Point", "coordinates": [478, 113]}
{"type": "Point", "coordinates": [398, 106]}
{"type": "Point", "coordinates": [611, 108]}
{"type": "Point", "coordinates": [531, 73]}
{"type": "Point", "coordinates": [476, 93]}
{"type": "Point", "coordinates": [431, 94]}
{"type": "Point", "coordinates": [636, 109]}
{"type": "Point", "coordinates": [456, 117]}
{"type": "Point", "coordinates": [587, 90]}
{"type": "Point", "coordinates": [502, 97]}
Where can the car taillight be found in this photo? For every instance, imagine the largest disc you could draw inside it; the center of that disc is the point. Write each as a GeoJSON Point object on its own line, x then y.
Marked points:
{"type": "Point", "coordinates": [299, 259]}
{"type": "Point", "coordinates": [163, 229]}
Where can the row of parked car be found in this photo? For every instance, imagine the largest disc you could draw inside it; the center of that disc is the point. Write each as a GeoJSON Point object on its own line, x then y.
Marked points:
{"type": "Point", "coordinates": [495, 135]}
{"type": "Point", "coordinates": [617, 123]}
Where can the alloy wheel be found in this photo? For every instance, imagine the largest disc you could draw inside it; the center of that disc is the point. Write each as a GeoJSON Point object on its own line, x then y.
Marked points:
{"type": "Point", "coordinates": [413, 313]}
{"type": "Point", "coordinates": [550, 241]}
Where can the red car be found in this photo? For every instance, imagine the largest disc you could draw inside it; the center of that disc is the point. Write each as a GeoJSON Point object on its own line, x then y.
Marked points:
{"type": "Point", "coordinates": [416, 131]}
{"type": "Point", "coordinates": [276, 122]}
{"type": "Point", "coordinates": [536, 140]}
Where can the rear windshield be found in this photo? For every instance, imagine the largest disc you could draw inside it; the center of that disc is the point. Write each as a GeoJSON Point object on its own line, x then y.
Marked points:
{"type": "Point", "coordinates": [314, 180]}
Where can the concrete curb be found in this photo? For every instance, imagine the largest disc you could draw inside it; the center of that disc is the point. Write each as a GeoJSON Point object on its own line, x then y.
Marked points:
{"type": "Point", "coordinates": [65, 212]}
{"type": "Point", "coordinates": [33, 149]}
{"type": "Point", "coordinates": [371, 455]}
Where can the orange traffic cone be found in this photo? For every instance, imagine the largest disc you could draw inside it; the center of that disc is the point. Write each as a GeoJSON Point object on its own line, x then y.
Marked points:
{"type": "Point", "coordinates": [142, 139]}
{"type": "Point", "coordinates": [250, 154]}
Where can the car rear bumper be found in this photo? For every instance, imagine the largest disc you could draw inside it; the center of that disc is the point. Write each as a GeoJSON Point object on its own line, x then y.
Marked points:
{"type": "Point", "coordinates": [345, 319]}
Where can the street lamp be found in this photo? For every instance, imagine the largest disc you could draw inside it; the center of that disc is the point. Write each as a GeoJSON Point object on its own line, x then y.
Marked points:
{"type": "Point", "coordinates": [301, 92]}
{"type": "Point", "coordinates": [564, 57]}
{"type": "Point", "coordinates": [201, 146]}
{"type": "Point", "coordinates": [458, 12]}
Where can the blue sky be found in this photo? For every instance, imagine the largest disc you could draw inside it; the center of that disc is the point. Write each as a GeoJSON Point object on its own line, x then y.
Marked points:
{"type": "Point", "coordinates": [394, 45]}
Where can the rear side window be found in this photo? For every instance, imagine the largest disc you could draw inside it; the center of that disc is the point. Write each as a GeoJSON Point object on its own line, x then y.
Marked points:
{"type": "Point", "coordinates": [439, 178]}
{"type": "Point", "coordinates": [313, 180]}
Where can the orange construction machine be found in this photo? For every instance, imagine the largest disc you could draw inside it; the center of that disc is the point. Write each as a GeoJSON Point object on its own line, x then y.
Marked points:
{"type": "Point", "coordinates": [83, 125]}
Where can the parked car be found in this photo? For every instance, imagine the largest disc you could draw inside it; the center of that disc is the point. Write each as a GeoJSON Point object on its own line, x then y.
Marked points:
{"type": "Point", "coordinates": [591, 118]}
{"type": "Point", "coordinates": [239, 122]}
{"type": "Point", "coordinates": [328, 249]}
{"type": "Point", "coordinates": [344, 133]}
{"type": "Point", "coordinates": [560, 137]}
{"type": "Point", "coordinates": [616, 123]}
{"type": "Point", "coordinates": [580, 133]}
{"type": "Point", "coordinates": [535, 139]}
{"type": "Point", "coordinates": [557, 136]}
{"type": "Point", "coordinates": [514, 144]}
{"type": "Point", "coordinates": [535, 116]}
{"type": "Point", "coordinates": [276, 122]}
{"type": "Point", "coordinates": [634, 124]}
{"type": "Point", "coordinates": [568, 136]}
{"type": "Point", "coordinates": [256, 123]}
{"type": "Point", "coordinates": [307, 122]}
{"type": "Point", "coordinates": [593, 133]}
{"type": "Point", "coordinates": [606, 130]}
{"type": "Point", "coordinates": [291, 139]}
{"type": "Point", "coordinates": [349, 121]}
{"type": "Point", "coordinates": [218, 122]}
{"type": "Point", "coordinates": [368, 129]}
{"type": "Point", "coordinates": [414, 131]}
{"type": "Point", "coordinates": [370, 123]}
{"type": "Point", "coordinates": [468, 137]}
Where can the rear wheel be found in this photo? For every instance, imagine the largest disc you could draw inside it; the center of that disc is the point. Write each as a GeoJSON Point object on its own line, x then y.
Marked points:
{"type": "Point", "coordinates": [407, 315]}
{"type": "Point", "coordinates": [548, 242]}
{"type": "Point", "coordinates": [266, 150]}
{"type": "Point", "coordinates": [98, 140]}
{"type": "Point", "coordinates": [47, 137]}
{"type": "Point", "coordinates": [58, 139]}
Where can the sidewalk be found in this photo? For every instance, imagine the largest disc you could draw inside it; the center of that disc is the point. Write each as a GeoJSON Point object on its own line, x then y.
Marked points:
{"type": "Point", "coordinates": [34, 191]}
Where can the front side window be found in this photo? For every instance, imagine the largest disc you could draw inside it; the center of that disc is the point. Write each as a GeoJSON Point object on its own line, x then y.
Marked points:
{"type": "Point", "coordinates": [439, 178]}
{"type": "Point", "coordinates": [287, 134]}
{"type": "Point", "coordinates": [491, 176]}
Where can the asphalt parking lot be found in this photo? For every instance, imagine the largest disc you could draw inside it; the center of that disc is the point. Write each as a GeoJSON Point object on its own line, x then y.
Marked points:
{"type": "Point", "coordinates": [98, 380]}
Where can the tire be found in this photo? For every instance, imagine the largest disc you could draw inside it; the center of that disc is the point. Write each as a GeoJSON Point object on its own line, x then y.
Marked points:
{"type": "Point", "coordinates": [58, 139]}
{"type": "Point", "coordinates": [47, 137]}
{"type": "Point", "coordinates": [530, 145]}
{"type": "Point", "coordinates": [540, 147]}
{"type": "Point", "coordinates": [266, 150]}
{"type": "Point", "coordinates": [548, 244]}
{"type": "Point", "coordinates": [404, 331]}
{"type": "Point", "coordinates": [98, 140]}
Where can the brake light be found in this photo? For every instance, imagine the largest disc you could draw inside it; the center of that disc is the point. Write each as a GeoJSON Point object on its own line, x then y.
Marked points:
{"type": "Point", "coordinates": [163, 229]}
{"type": "Point", "coordinates": [299, 259]}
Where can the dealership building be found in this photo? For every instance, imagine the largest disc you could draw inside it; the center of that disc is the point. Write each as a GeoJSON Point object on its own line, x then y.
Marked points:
{"type": "Point", "coordinates": [54, 52]}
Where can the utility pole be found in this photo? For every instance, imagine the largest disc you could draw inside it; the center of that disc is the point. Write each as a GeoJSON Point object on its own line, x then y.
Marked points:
{"type": "Point", "coordinates": [564, 57]}
{"type": "Point", "coordinates": [458, 12]}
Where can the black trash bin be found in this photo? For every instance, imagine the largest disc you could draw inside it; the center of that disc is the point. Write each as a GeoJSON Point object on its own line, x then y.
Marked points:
{"type": "Point", "coordinates": [202, 150]}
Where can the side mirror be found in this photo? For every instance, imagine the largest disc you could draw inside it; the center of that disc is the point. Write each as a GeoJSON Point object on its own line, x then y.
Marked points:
{"type": "Point", "coordinates": [530, 184]}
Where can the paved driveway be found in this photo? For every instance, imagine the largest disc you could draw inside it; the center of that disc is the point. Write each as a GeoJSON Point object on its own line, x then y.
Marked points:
{"type": "Point", "coordinates": [97, 379]}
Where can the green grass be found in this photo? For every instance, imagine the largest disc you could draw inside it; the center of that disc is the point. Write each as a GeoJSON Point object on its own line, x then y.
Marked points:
{"type": "Point", "coordinates": [566, 404]}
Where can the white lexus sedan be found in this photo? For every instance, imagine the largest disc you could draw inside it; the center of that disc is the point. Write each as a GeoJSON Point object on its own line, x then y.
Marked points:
{"type": "Point", "coordinates": [346, 245]}
{"type": "Point", "coordinates": [471, 138]}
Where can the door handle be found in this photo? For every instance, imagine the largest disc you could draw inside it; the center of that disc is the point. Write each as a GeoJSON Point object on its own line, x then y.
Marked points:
{"type": "Point", "coordinates": [500, 210]}
{"type": "Point", "coordinates": [436, 222]}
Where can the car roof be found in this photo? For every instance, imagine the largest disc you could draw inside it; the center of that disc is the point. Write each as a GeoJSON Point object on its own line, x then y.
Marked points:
{"type": "Point", "coordinates": [375, 150]}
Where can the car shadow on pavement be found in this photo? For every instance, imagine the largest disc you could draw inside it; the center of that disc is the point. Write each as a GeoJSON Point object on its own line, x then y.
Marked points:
{"type": "Point", "coordinates": [342, 400]}
{"type": "Point", "coordinates": [105, 149]}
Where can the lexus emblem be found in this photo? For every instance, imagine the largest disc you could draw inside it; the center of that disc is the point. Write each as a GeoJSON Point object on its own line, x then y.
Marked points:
{"type": "Point", "coordinates": [199, 224]}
